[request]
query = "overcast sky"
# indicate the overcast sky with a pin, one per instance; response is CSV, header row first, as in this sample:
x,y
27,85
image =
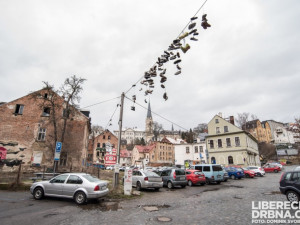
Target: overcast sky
x,y
248,61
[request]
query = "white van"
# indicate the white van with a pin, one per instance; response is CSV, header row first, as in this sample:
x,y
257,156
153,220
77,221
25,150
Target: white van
x,y
213,172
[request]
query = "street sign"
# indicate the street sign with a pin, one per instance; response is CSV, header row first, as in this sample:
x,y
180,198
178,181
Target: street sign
x,y
57,151
128,182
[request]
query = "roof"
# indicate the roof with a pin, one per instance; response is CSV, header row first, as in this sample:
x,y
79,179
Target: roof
x,y
176,141
145,149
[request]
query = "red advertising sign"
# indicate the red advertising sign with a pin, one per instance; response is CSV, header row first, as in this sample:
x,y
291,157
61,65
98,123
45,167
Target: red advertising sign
x,y
110,159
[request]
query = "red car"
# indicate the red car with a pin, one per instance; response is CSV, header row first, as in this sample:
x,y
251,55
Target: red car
x,y
272,168
249,173
195,177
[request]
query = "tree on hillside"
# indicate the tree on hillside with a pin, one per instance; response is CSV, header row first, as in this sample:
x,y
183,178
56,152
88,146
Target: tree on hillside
x,y
243,118
188,136
201,128
54,102
157,128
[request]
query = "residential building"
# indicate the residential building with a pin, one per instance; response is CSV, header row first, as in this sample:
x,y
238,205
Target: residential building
x,y
141,154
281,133
260,130
230,145
125,157
163,153
27,132
130,135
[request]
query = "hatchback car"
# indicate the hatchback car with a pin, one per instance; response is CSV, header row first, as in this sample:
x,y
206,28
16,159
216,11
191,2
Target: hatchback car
x,y
173,177
272,168
235,173
249,173
77,186
195,177
258,170
290,185
146,179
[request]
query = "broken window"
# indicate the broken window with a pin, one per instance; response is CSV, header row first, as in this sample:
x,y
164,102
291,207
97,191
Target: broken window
x,y
19,109
108,137
41,134
103,136
46,111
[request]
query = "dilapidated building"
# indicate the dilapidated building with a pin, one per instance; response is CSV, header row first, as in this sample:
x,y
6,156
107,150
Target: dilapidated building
x,y
28,131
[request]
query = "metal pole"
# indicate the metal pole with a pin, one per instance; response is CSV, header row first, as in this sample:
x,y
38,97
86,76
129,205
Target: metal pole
x,y
116,175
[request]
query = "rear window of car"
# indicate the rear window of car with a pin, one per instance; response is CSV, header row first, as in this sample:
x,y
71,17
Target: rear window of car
x,y
217,168
288,176
198,173
91,178
150,174
179,172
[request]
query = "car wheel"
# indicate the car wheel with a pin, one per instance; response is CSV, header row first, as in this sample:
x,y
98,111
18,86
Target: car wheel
x,y
232,177
170,185
276,171
38,193
183,186
292,196
247,175
207,181
156,189
80,197
138,186
225,180
239,178
202,184
218,182
260,175
190,183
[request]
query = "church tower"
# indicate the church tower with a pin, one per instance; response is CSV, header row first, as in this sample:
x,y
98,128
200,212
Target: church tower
x,y
149,124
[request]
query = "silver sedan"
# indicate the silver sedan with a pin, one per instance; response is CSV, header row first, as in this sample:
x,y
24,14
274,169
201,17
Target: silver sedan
x,y
146,179
77,186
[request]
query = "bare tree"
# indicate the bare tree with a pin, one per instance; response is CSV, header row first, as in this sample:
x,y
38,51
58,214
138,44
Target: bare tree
x,y
56,101
201,128
157,128
243,118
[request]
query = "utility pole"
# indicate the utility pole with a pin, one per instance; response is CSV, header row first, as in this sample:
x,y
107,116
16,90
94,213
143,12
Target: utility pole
x,y
116,174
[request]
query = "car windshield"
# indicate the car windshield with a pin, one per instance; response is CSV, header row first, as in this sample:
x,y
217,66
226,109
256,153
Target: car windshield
x,y
150,174
217,168
91,178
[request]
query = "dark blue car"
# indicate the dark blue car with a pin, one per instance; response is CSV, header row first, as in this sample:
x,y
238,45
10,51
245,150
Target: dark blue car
x,y
235,173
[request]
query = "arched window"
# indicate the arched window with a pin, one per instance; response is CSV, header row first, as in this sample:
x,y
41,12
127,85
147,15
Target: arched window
x,y
213,160
230,159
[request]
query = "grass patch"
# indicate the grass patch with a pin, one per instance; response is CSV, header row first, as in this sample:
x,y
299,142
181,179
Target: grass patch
x,y
15,187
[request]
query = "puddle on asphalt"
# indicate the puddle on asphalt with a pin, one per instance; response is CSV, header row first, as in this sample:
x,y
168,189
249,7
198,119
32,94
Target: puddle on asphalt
x,y
214,189
158,206
236,197
50,214
235,186
102,206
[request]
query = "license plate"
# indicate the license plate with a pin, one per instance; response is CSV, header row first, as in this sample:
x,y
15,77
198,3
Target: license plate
x,y
219,176
182,178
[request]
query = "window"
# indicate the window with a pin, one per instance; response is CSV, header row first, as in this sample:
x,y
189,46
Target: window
x,y
220,143
207,168
187,149
59,179
196,149
98,153
103,145
230,160
201,148
42,134
228,142
213,160
46,111
103,136
74,180
19,109
225,129
237,141
108,137
98,145
218,130
217,120
66,113
211,144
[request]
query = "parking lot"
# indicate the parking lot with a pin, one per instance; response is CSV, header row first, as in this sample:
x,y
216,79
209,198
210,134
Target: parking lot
x,y
226,203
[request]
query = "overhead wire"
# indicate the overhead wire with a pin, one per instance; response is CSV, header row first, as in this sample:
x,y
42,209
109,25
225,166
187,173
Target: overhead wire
x,y
100,102
176,38
157,114
109,122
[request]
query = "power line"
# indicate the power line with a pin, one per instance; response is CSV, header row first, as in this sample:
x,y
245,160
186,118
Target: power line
x,y
109,122
100,102
157,114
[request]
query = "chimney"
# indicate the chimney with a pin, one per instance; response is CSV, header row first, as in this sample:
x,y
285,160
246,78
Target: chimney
x,y
231,119
220,114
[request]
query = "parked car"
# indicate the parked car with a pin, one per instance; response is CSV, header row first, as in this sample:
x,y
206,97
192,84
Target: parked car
x,y
275,164
146,179
290,185
213,172
258,170
235,173
112,167
272,168
225,177
173,177
195,177
77,186
249,173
